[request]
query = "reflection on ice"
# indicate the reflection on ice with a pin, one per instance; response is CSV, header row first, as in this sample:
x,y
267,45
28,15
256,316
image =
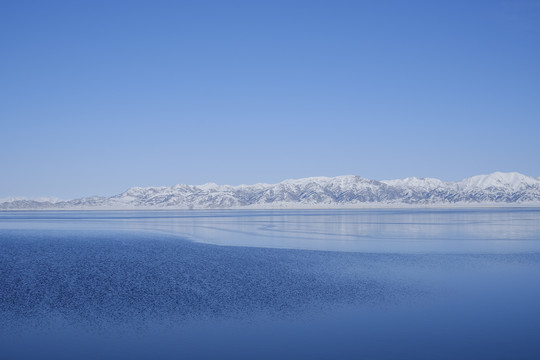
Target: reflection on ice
x,y
403,230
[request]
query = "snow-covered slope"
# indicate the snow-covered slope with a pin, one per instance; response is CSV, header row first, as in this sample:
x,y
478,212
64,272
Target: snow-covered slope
x,y
496,188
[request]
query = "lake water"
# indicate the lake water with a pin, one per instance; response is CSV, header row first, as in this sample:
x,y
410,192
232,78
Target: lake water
x,y
373,284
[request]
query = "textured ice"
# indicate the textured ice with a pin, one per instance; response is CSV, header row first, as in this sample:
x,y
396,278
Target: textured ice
x,y
98,277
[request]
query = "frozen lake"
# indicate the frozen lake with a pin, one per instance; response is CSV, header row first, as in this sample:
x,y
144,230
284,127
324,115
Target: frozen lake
x,y
495,230
376,284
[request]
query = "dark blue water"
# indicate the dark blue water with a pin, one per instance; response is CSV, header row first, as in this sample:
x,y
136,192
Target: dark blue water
x,y
377,284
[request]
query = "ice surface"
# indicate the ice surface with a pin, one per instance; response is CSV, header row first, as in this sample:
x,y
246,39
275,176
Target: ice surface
x,y
118,285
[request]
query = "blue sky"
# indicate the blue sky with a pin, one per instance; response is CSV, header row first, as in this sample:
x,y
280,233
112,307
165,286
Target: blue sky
x,y
96,97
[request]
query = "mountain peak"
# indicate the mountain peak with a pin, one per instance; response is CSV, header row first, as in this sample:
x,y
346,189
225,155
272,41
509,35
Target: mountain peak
x,y
513,180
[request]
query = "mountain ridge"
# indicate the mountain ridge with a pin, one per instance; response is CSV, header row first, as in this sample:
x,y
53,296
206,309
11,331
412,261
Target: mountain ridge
x,y
341,191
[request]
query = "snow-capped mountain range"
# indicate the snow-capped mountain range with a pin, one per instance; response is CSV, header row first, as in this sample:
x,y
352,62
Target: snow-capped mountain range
x,y
314,192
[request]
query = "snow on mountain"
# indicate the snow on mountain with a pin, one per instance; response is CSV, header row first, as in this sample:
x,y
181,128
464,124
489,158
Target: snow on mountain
x,y
416,183
511,180
350,190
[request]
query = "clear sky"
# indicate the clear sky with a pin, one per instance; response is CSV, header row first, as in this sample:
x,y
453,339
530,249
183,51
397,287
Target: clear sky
x,y
99,96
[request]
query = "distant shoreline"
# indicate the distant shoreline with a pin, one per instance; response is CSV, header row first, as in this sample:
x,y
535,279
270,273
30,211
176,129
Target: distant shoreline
x,y
534,205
